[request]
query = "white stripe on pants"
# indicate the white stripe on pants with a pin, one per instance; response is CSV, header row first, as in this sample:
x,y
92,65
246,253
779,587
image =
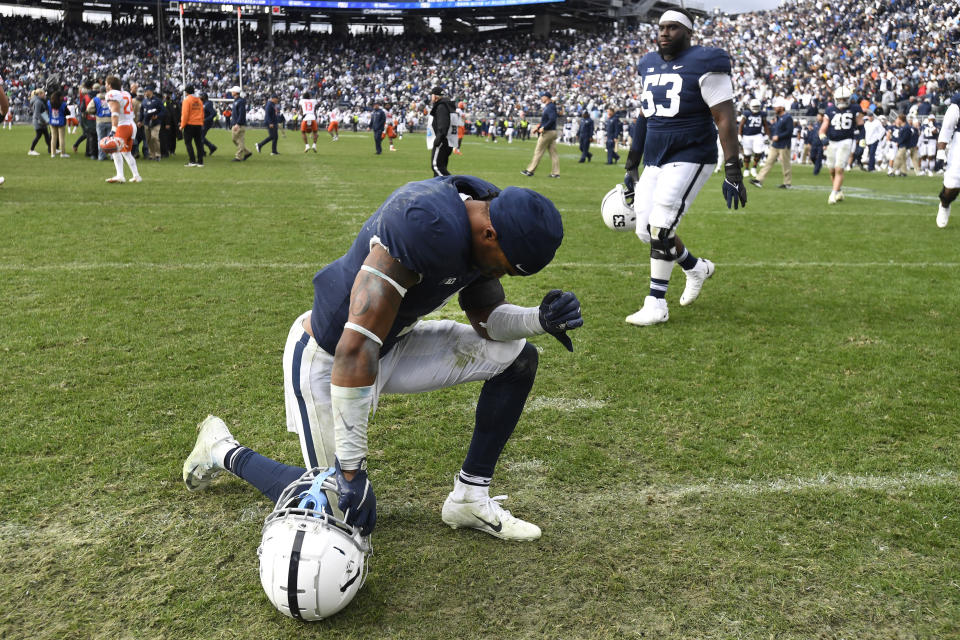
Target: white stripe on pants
x,y
434,355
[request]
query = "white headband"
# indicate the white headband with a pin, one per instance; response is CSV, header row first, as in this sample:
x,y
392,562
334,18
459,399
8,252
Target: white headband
x,y
676,16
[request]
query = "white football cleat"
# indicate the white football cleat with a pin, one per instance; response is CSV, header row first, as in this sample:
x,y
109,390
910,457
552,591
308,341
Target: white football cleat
x,y
136,179
654,311
943,216
116,180
488,516
33,152
700,273
832,198
201,467
839,196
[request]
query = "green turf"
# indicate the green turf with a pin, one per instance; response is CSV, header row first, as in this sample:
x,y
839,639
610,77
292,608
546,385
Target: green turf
x,y
777,461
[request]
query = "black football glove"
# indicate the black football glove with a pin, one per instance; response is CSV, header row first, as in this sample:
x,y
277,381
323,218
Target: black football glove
x,y
559,312
630,182
357,502
733,190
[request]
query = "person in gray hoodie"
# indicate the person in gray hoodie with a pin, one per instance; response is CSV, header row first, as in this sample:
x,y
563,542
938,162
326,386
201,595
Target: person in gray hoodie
x,y
38,107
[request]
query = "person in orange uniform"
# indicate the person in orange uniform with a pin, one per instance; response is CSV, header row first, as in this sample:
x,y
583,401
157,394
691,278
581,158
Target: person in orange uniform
x,y
123,126
191,123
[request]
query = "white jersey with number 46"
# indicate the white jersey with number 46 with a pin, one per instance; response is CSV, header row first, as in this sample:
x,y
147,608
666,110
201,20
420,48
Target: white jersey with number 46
x,y
126,105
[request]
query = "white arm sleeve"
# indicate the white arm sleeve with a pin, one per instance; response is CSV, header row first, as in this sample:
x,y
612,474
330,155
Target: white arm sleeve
x,y
949,126
510,322
351,412
716,88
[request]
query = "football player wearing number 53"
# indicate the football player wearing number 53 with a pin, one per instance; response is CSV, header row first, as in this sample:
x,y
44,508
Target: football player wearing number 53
x,y
686,89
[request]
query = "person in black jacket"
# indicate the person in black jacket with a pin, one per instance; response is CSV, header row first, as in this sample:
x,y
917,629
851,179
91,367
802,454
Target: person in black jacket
x,y
272,120
585,135
613,131
378,120
208,114
445,122
170,131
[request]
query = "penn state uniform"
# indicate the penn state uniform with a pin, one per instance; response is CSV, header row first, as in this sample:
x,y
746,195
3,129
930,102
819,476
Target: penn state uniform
x,y
948,135
752,133
951,176
424,225
681,137
928,139
894,147
841,129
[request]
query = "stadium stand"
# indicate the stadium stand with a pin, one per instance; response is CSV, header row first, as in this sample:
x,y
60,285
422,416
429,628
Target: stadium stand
x,y
893,53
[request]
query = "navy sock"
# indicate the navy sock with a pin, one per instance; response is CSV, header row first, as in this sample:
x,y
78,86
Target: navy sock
x,y
498,411
268,476
687,260
658,287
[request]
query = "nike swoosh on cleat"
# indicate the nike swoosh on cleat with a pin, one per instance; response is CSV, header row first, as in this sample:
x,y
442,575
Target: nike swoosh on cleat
x,y
495,527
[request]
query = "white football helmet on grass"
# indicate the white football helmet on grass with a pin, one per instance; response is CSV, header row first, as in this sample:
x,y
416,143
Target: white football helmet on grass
x,y
617,212
311,563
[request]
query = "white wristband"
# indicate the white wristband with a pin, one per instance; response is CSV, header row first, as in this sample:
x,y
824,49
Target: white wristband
x,y
351,412
941,154
510,322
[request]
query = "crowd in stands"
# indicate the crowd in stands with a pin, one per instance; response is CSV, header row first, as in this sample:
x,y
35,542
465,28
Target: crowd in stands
x,y
892,53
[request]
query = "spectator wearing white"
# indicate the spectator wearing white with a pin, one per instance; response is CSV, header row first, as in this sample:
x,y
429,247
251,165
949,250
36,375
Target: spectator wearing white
x,y
874,132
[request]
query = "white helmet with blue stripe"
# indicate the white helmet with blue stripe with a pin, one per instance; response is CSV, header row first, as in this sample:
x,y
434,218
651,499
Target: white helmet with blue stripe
x,y
312,563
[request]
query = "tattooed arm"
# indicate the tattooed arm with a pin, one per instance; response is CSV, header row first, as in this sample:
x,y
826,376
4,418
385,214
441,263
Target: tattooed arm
x,y
373,305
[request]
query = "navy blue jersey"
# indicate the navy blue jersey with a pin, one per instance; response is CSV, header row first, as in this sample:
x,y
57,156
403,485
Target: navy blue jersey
x,y
783,129
842,122
752,123
928,130
909,137
895,134
424,226
680,126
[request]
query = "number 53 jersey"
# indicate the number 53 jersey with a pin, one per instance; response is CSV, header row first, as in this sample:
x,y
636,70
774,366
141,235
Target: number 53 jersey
x,y
676,100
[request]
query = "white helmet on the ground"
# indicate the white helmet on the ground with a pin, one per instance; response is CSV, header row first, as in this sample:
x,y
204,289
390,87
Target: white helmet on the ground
x,y
755,105
616,211
842,97
311,563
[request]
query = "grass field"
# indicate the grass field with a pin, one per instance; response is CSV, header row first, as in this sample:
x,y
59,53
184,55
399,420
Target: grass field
x,y
780,460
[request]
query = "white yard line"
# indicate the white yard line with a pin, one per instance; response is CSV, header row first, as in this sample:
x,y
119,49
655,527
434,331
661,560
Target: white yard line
x,y
829,482
563,404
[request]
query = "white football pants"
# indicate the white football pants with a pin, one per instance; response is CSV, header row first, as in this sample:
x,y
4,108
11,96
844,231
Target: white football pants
x,y
433,355
663,194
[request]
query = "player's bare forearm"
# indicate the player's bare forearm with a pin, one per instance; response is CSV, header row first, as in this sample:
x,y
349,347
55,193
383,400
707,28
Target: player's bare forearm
x,y
726,119
374,303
